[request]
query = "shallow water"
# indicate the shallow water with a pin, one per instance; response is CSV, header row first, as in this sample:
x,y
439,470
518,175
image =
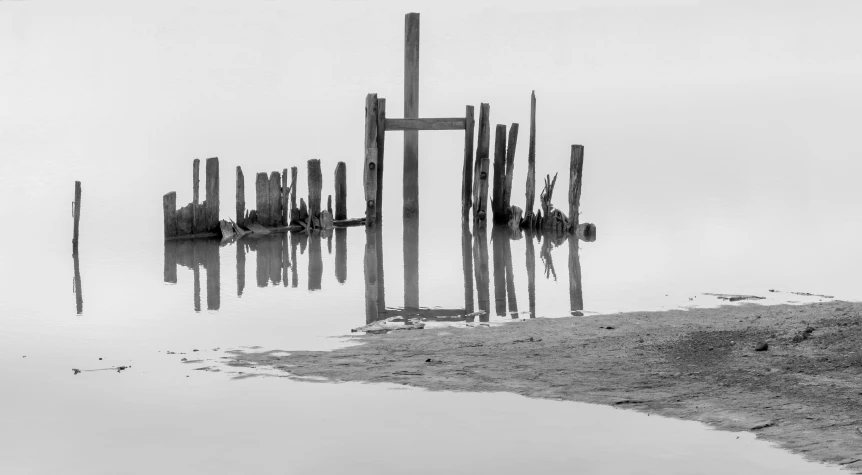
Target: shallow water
x,y
728,166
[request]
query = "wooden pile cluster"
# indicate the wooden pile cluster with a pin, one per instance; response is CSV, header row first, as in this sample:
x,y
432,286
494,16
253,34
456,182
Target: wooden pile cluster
x,y
195,218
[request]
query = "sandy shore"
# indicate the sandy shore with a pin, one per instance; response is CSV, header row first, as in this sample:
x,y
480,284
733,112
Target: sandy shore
x,y
804,392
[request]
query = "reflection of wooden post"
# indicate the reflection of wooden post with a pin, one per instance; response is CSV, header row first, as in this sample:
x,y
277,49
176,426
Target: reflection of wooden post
x,y
576,293
480,266
262,264
240,268
467,179
411,262
411,111
213,267
294,270
371,153
497,238
240,197
341,191
196,270
576,170
170,262
531,274
467,263
510,276
169,205
531,163
285,259
76,214
262,199
499,174
275,261
372,308
341,255
510,169
79,297
480,170
315,188
315,262
381,136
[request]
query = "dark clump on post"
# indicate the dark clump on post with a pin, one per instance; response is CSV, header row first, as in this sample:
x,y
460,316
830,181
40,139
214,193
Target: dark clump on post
x,y
531,166
76,214
315,188
480,170
262,199
370,164
576,170
499,174
467,179
341,191
240,197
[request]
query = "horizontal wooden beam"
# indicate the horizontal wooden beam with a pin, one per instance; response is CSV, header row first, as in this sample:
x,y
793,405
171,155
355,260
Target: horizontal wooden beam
x,y
451,123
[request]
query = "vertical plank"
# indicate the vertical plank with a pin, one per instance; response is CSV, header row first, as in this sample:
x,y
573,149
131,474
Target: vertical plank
x,y
76,213
285,203
275,261
196,182
411,111
531,274
274,198
480,171
262,199
498,235
371,155
293,172
341,255
315,187
240,267
467,172
510,275
240,197
411,262
576,170
531,162
381,141
212,201
499,214
341,191
467,264
480,266
576,292
169,206
510,169
79,296
329,204
372,308
315,261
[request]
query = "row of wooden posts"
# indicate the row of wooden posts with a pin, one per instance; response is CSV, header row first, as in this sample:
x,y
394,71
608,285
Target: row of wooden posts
x,y
275,200
475,173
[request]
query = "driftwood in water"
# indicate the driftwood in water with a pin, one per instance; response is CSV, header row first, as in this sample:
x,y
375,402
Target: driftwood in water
x,y
411,111
576,171
76,215
499,213
341,191
531,165
326,222
467,172
481,167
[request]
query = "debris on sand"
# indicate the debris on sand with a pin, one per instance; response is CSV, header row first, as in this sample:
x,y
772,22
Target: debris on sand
x,y
388,325
735,297
761,346
763,425
76,370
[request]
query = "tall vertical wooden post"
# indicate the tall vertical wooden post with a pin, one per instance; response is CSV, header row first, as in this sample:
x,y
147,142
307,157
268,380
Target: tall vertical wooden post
x,y
467,264
341,191
480,266
76,214
262,198
169,206
212,202
285,203
315,188
576,170
467,180
372,308
480,170
499,214
370,167
381,136
531,163
510,168
274,198
498,235
79,297
196,182
411,262
240,197
293,172
576,293
531,274
411,111
510,276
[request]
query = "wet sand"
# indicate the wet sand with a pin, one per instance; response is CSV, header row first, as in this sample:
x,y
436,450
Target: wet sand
x,y
804,392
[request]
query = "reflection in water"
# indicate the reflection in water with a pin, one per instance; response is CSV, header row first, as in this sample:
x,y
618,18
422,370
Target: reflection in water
x,y
194,254
341,255
531,274
315,261
576,294
79,298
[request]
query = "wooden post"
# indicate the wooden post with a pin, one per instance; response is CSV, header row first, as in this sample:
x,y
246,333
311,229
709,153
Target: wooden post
x,y
576,170
531,163
497,237
467,180
510,275
510,169
480,171
293,173
79,297
531,274
285,203
171,262
285,254
411,111
196,181
371,154
381,136
467,264
240,197
169,205
196,284
576,292
262,201
274,198
499,174
411,262
480,266
341,191
212,202
372,308
315,188
341,255
76,214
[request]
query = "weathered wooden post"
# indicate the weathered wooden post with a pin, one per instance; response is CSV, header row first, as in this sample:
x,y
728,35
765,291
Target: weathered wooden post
x,y
196,181
76,215
79,297
285,199
285,254
510,277
467,264
576,292
341,191
315,188
576,170
372,308
274,198
370,167
240,197
411,111
480,171
294,270
531,274
499,259
381,136
531,166
510,168
262,199
499,214
212,202
294,210
480,266
169,206
467,180
170,262
411,262
212,264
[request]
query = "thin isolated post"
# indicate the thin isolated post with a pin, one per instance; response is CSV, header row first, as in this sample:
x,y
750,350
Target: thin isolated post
x,y
531,163
467,180
381,136
370,165
411,111
510,168
499,174
76,215
576,171
341,191
240,197
480,171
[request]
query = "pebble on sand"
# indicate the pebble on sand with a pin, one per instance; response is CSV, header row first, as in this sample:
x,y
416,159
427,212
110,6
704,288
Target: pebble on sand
x,y
761,346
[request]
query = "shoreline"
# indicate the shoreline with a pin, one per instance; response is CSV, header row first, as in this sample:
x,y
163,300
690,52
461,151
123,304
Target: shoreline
x,y
804,392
